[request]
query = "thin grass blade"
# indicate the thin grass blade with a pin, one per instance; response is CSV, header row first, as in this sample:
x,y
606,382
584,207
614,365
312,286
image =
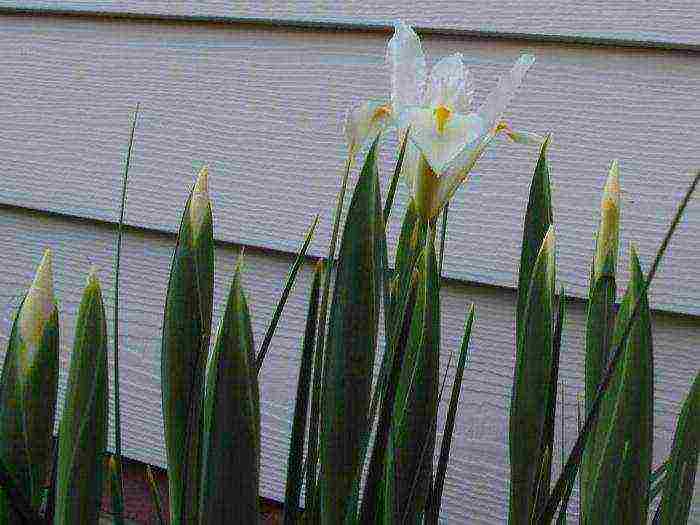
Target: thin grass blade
x,y
117,482
155,495
288,285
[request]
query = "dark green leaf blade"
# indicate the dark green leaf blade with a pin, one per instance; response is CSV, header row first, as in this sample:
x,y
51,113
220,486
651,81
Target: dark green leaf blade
x,y
531,384
83,430
631,422
538,218
295,461
231,441
351,346
683,462
411,443
185,343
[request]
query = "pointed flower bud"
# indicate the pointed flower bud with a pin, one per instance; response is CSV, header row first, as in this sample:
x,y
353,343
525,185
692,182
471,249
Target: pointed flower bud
x,y
199,206
609,232
38,305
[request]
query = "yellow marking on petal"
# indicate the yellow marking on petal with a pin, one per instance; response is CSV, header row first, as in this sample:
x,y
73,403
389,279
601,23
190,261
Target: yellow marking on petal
x,y
442,115
502,127
381,112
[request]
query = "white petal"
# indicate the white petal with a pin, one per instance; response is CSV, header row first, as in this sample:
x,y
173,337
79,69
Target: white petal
x,y
365,122
459,169
440,148
407,64
499,99
450,85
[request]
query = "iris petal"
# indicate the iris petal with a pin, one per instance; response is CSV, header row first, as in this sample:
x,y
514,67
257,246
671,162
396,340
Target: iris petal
x,y
440,148
408,70
508,85
450,85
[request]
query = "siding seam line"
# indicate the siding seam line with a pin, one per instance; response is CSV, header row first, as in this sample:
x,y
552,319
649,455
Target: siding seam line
x,y
275,252
335,25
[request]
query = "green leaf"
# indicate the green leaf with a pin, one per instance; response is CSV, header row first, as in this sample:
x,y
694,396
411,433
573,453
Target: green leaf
x,y
683,462
288,285
538,218
231,429
528,408
630,406
83,430
412,437
186,333
599,332
436,494
295,460
352,338
542,487
315,416
573,461
28,391
372,497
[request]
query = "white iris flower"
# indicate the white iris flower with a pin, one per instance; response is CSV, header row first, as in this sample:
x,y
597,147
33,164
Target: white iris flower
x,y
447,135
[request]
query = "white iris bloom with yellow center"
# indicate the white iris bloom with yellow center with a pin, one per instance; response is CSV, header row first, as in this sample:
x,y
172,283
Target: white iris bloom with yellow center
x,y
446,134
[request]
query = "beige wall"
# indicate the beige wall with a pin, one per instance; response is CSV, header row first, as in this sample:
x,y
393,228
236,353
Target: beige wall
x,y
263,105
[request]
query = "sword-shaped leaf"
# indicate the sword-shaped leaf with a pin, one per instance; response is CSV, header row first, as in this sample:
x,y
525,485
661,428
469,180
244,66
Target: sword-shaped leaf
x,y
186,333
409,456
28,392
600,319
295,460
436,493
683,462
351,345
231,426
528,407
83,430
631,420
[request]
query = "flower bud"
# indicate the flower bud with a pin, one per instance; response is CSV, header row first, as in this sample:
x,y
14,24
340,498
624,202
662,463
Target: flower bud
x,y
38,305
609,232
199,205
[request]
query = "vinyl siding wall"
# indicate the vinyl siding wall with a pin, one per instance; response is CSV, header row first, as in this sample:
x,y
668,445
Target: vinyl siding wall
x,y
258,92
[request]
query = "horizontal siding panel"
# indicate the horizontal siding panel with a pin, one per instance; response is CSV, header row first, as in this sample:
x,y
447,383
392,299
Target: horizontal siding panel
x,y
476,487
628,21
263,107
